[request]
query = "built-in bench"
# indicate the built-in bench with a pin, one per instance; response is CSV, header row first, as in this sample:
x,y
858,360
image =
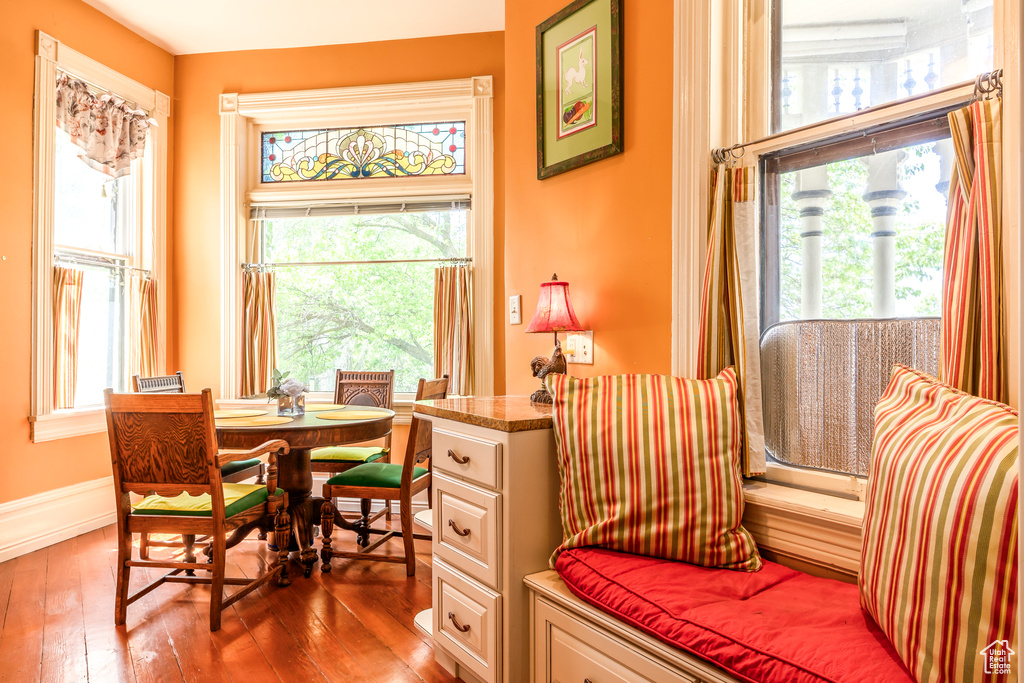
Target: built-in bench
x,y
625,617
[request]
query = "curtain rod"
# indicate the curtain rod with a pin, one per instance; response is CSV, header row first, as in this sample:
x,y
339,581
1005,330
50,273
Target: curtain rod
x,y
986,84
292,264
78,261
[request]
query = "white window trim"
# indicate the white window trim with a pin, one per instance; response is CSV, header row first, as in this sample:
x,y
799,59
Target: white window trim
x,y
46,423
243,115
722,97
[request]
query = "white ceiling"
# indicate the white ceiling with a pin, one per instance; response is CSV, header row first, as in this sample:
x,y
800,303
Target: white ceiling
x,y
190,26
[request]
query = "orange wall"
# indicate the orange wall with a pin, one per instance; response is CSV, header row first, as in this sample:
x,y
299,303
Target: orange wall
x,y
201,78
606,227
27,468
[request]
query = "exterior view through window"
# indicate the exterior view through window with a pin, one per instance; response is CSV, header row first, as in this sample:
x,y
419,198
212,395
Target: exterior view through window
x,y
853,225
363,296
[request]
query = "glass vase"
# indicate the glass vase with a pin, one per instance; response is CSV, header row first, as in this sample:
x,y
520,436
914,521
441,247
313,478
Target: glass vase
x,y
291,406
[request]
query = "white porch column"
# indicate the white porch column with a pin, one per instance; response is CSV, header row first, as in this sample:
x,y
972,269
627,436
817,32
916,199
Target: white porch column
x,y
884,195
811,196
947,157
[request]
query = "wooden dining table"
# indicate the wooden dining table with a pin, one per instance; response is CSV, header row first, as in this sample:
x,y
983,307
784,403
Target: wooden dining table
x,y
303,433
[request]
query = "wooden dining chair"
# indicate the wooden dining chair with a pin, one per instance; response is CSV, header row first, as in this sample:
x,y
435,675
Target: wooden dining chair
x,y
374,389
164,447
387,481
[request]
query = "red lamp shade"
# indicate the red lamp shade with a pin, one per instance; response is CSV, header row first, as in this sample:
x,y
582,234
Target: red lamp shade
x,y
554,310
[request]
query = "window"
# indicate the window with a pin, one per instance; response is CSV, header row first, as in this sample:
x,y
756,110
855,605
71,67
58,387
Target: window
x,y
356,291
356,194
103,226
854,215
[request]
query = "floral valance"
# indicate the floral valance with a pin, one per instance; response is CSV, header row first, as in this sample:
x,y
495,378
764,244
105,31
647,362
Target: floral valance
x,y
109,131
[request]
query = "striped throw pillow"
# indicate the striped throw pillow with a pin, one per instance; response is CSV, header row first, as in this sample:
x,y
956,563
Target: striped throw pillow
x,y
649,465
939,550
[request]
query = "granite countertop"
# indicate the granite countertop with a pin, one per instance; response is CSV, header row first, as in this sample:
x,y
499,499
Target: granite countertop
x,y
504,413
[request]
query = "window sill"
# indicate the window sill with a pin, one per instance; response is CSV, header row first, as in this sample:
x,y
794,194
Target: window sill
x,y
66,424
814,532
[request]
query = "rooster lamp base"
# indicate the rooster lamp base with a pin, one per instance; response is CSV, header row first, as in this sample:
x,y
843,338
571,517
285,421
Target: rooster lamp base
x,y
542,367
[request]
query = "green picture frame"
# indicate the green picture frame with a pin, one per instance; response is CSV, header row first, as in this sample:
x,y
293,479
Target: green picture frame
x,y
579,86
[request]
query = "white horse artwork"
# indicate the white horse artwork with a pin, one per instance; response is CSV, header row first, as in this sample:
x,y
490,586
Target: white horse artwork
x,y
577,74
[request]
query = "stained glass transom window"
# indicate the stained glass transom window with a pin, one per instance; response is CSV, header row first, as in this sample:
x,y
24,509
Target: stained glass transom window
x,y
366,152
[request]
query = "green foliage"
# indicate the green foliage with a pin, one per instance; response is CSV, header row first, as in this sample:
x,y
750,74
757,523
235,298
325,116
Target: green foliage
x,y
847,250
359,317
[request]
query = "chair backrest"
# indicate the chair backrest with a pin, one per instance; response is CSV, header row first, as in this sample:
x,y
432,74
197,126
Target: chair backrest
x,y
166,384
163,443
364,388
422,437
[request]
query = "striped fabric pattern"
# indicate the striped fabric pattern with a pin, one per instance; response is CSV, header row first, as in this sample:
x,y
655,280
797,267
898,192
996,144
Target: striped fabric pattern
x,y
453,327
259,331
67,307
728,305
972,344
939,549
143,325
649,465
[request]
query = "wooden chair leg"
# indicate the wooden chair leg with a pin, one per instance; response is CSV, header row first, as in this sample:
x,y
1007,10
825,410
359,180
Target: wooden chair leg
x,y
282,538
408,537
190,541
217,582
260,479
364,522
124,554
326,529
144,546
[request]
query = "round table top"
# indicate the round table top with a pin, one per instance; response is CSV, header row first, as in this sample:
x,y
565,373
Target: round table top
x,y
308,431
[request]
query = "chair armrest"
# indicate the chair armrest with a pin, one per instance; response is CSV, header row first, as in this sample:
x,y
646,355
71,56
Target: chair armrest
x,y
271,447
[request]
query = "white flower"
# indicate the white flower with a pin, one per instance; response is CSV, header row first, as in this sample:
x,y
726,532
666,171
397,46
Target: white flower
x,y
292,387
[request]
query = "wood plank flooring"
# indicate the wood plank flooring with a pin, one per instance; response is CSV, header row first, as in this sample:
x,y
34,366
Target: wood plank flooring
x,y
353,624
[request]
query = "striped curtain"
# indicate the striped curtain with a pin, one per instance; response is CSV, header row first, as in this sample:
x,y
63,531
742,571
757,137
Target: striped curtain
x,y
729,296
67,306
142,312
259,332
453,327
973,340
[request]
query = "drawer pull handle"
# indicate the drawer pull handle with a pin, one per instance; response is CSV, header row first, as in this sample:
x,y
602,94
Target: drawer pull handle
x,y
461,459
459,627
456,529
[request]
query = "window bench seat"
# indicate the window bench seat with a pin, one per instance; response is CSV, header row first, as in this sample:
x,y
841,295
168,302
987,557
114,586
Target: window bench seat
x,y
625,617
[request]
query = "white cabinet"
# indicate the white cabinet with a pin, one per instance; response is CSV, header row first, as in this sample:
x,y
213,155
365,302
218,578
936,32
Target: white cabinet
x,y
495,520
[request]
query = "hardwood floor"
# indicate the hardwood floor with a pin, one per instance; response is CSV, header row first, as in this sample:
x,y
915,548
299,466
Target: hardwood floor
x,y
354,624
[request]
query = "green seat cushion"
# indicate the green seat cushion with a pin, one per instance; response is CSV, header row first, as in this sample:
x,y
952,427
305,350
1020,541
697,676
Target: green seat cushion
x,y
237,498
348,454
238,465
374,474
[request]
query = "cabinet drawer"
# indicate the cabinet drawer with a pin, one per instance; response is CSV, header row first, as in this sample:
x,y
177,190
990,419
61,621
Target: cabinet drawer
x,y
467,457
466,528
467,621
569,651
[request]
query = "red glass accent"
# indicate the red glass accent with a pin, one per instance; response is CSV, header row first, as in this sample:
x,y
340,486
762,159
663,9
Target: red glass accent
x,y
437,131
453,130
452,148
271,140
554,310
287,138
271,157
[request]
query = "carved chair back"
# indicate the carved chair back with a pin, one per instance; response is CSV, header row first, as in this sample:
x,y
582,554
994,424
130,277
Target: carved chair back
x,y
364,388
428,389
166,384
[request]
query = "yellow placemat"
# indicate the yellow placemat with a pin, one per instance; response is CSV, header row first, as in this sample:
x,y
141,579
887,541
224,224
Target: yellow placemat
x,y
319,407
262,421
352,415
228,414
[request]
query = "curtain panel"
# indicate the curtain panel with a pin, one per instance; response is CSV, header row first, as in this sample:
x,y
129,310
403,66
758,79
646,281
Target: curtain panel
x,y
142,345
729,301
973,337
110,133
67,307
453,327
259,331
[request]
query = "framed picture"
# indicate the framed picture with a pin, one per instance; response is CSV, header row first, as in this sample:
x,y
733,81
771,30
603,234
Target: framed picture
x,y
579,86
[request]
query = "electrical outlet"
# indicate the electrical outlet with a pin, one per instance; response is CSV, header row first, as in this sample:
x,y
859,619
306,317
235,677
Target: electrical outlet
x,y
515,308
579,347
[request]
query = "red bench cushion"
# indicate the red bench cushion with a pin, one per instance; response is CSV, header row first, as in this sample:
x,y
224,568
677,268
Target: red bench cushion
x,y
775,625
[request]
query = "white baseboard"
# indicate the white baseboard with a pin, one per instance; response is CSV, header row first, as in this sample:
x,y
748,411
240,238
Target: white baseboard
x,y
28,524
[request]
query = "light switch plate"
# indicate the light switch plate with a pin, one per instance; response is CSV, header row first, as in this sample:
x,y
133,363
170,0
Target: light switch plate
x,y
515,309
579,347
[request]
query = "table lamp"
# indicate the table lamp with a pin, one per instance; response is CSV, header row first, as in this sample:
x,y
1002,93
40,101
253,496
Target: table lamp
x,y
554,314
